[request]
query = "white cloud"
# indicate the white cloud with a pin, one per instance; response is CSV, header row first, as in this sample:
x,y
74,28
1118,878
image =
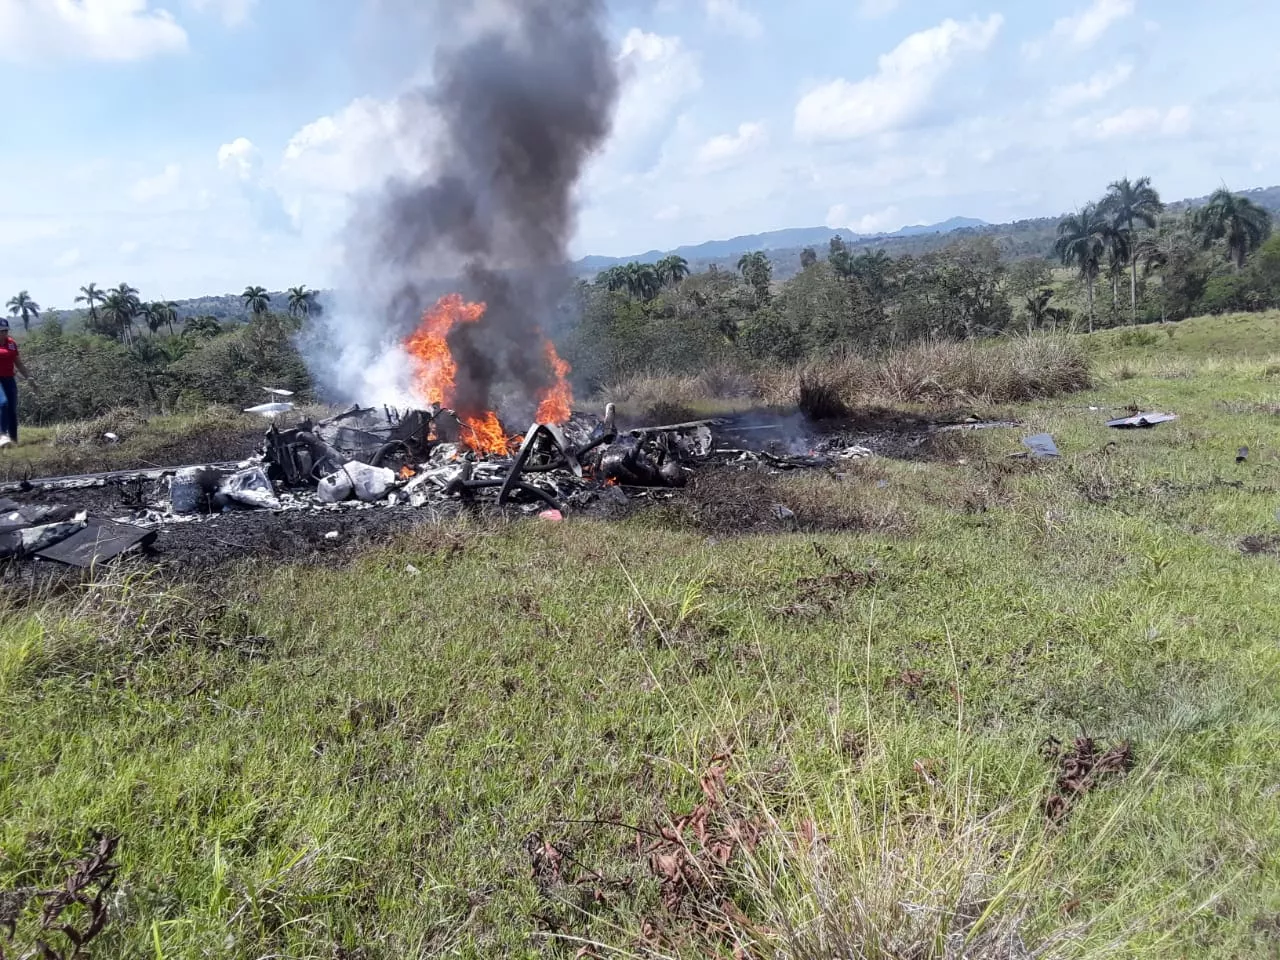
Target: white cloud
x,y
875,9
658,75
669,213
723,150
729,15
882,221
240,158
233,12
1138,122
161,185
1090,24
118,30
898,91
1089,91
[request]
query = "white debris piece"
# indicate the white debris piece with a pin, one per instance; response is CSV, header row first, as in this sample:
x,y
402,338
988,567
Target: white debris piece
x,y
277,392
270,409
331,535
334,488
250,488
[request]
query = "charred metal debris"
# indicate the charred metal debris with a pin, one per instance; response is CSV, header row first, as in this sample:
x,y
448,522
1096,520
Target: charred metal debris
x,y
370,458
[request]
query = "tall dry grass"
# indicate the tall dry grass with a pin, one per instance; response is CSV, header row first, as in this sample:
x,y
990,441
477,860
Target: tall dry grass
x,y
1012,370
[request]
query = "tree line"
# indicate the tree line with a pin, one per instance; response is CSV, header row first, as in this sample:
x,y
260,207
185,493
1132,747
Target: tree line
x,y
1160,266
1125,229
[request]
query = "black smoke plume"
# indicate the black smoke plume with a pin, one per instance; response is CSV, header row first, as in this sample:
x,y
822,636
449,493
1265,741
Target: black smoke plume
x,y
521,104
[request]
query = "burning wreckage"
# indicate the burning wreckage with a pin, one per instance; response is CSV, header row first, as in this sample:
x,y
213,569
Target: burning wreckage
x,y
428,456
365,458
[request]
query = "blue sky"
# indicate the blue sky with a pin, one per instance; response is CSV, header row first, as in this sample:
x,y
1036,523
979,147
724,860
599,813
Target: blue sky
x,y
195,146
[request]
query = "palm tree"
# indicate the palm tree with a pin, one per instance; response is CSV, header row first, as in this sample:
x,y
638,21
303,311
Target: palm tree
x,y
23,306
1239,221
169,312
1130,204
202,327
613,279
1081,239
153,316
91,295
124,310
672,269
117,314
1116,244
257,300
643,280
1040,313
301,301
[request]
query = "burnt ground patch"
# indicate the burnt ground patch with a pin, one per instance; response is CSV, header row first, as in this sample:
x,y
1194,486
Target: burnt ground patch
x,y
729,500
1260,545
209,445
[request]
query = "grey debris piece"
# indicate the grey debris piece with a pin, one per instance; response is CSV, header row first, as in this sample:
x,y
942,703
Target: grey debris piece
x,y
1041,445
1141,421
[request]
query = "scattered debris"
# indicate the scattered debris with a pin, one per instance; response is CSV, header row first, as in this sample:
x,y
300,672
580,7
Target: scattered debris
x,y
332,535
1141,421
1242,455
1080,769
97,542
554,516
277,392
1041,445
249,488
270,409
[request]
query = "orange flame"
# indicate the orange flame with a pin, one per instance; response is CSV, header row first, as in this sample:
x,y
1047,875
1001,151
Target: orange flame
x,y
485,434
555,405
436,373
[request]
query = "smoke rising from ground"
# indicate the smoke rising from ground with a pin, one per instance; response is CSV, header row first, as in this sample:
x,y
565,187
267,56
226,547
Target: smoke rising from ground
x,y
518,105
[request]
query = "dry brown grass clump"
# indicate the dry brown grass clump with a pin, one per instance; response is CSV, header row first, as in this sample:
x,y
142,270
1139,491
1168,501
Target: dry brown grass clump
x,y
669,397
1007,371
948,373
123,422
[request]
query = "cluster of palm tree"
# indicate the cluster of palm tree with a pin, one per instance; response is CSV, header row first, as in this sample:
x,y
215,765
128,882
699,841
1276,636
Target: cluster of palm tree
x,y
645,281
114,312
1107,235
23,307
302,302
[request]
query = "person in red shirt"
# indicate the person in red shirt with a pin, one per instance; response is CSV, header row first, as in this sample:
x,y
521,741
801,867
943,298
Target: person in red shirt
x,y
9,362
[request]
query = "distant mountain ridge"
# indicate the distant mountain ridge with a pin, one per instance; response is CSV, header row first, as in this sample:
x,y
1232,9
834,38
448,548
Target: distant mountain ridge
x,y
788,239
1019,239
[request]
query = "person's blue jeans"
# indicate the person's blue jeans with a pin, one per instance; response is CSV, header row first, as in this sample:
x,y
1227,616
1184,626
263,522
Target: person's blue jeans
x,y
9,412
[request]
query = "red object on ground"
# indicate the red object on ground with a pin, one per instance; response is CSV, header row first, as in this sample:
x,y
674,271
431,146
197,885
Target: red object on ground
x,y
555,516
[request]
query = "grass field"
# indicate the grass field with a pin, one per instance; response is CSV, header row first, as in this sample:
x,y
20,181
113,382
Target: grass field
x,y
466,743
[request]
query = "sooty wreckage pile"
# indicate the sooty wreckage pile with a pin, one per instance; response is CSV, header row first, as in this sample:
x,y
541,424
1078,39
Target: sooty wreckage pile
x,y
367,459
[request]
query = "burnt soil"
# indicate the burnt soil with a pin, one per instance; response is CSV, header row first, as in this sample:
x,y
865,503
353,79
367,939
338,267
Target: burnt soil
x,y
719,500
209,446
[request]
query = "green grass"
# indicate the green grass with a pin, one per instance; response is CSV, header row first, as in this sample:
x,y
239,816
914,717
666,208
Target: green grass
x,y
313,762
1232,336
158,441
